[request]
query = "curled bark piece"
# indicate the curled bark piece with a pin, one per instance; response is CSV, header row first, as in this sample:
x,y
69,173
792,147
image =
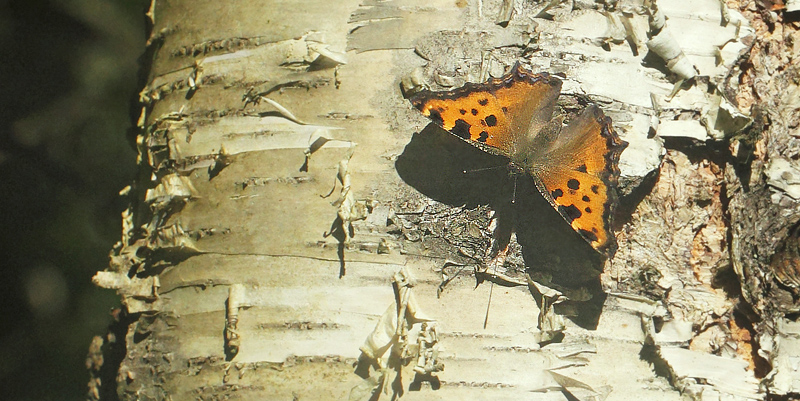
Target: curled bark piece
x,y
391,333
413,82
232,335
195,76
780,344
697,373
665,46
350,210
506,10
326,58
784,174
723,119
616,32
544,12
172,187
283,110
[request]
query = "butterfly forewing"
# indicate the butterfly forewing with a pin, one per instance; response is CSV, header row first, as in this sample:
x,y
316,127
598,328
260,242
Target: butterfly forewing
x,y
474,116
496,113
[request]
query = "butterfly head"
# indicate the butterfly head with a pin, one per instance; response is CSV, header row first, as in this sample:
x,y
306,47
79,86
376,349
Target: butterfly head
x,y
515,169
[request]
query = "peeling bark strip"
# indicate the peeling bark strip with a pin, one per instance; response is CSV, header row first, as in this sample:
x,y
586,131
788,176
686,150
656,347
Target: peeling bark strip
x,y
231,290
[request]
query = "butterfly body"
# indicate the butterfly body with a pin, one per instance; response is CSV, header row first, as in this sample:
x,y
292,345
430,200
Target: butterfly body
x,y
574,166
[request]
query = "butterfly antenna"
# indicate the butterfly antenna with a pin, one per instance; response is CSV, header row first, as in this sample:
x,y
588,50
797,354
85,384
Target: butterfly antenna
x,y
481,169
514,194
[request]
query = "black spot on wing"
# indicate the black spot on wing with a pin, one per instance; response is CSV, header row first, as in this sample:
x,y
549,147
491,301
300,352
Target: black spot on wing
x,y
595,189
570,212
588,209
588,234
483,137
462,111
436,117
483,102
461,129
491,120
586,198
582,168
505,109
557,193
573,184
474,112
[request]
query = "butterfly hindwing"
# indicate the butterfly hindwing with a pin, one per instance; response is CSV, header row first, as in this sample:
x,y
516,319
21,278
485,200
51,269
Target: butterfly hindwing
x,y
583,189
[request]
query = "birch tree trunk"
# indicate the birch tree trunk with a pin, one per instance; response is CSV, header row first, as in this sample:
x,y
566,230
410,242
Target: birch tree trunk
x,y
298,231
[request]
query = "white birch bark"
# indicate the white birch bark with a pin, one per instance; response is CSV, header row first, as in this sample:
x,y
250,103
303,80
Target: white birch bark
x,y
241,280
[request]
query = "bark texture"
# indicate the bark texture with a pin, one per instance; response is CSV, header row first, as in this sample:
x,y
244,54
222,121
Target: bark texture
x,y
297,231
761,185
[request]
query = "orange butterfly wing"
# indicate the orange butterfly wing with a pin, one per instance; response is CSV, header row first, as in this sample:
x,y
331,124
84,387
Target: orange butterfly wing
x,y
575,167
496,113
578,173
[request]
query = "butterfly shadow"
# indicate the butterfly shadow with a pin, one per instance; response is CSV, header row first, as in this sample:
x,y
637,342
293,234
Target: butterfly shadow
x,y
451,171
557,256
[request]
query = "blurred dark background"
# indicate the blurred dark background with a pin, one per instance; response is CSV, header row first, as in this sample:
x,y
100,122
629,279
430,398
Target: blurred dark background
x,y
68,74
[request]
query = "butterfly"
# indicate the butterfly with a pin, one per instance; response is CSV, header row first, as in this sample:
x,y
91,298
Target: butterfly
x,y
574,166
